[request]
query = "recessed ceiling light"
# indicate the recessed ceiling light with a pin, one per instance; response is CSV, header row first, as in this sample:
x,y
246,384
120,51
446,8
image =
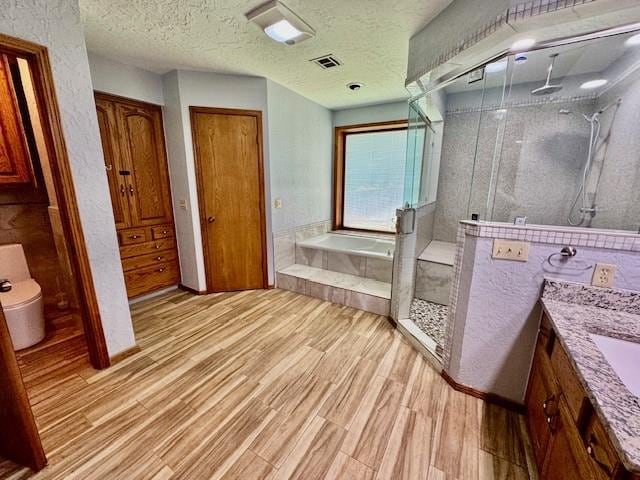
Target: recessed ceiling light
x,y
633,41
354,86
280,23
496,67
591,84
523,44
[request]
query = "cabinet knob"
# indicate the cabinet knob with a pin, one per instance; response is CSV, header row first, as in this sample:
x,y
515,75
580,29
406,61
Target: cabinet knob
x,y
211,219
122,190
131,190
158,258
157,246
164,232
161,270
133,237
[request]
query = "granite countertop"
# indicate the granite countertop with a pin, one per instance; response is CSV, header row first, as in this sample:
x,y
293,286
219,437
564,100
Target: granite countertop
x,y
577,310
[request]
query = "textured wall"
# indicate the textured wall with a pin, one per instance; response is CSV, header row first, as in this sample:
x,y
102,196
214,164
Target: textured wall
x,y
128,81
382,112
300,158
493,343
56,24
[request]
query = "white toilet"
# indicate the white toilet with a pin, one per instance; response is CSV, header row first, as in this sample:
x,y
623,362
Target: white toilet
x,y
23,306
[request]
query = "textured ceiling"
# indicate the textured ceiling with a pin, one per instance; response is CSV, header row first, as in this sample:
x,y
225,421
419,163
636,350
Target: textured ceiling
x,y
370,37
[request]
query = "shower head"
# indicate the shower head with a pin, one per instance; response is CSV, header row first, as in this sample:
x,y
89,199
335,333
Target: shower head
x,y
548,88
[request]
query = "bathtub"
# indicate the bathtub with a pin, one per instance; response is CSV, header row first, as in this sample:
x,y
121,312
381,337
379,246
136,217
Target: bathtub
x,y
352,245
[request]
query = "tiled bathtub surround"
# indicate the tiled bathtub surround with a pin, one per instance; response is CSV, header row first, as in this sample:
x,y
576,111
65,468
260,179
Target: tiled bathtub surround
x,y
360,266
362,293
493,303
284,243
576,311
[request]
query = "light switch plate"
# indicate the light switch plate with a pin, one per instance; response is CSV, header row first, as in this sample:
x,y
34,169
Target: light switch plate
x,y
510,250
277,203
603,275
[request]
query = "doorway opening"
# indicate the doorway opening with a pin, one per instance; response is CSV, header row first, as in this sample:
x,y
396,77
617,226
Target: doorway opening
x,y
48,309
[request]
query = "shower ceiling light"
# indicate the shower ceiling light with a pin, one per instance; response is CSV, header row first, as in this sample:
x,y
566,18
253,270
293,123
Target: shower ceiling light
x,y
591,84
523,44
633,41
496,67
280,23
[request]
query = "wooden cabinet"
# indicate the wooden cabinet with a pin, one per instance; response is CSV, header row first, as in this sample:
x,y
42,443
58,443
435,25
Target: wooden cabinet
x,y
568,438
15,162
134,150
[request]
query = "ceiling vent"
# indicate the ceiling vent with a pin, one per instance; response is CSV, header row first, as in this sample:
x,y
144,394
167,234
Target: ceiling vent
x,y
326,61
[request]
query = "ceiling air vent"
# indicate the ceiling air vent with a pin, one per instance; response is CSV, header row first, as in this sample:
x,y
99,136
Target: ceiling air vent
x,y
326,61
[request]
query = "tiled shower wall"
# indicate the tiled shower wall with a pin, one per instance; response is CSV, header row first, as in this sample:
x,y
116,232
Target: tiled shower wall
x,y
540,158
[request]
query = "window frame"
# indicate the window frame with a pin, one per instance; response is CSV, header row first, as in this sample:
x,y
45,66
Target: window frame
x,y
340,137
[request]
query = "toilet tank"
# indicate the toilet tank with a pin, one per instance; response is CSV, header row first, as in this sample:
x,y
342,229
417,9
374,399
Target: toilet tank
x,y
13,263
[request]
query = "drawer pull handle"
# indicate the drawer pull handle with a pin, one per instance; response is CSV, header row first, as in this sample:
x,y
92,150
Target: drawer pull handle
x,y
157,246
551,422
133,237
158,258
164,232
591,451
547,402
160,270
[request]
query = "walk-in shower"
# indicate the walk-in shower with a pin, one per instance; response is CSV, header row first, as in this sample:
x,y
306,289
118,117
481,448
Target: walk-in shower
x,y
549,137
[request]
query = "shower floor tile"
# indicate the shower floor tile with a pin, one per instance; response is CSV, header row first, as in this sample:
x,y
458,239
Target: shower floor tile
x,y
431,318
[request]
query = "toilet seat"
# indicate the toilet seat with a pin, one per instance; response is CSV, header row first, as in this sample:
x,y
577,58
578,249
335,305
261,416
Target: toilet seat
x,y
21,294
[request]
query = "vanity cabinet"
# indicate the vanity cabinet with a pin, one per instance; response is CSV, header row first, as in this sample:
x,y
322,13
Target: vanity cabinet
x,y
138,178
568,439
15,162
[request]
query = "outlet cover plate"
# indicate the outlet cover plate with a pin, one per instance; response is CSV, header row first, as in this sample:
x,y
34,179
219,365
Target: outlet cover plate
x,y
510,250
603,275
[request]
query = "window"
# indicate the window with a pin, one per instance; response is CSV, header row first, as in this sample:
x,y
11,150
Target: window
x,y
370,175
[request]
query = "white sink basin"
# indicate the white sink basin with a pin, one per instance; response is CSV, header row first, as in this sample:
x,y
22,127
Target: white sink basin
x,y
624,358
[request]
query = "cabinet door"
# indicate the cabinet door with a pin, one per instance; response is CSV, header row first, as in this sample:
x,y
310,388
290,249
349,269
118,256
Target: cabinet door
x,y
113,162
542,404
15,163
566,458
142,142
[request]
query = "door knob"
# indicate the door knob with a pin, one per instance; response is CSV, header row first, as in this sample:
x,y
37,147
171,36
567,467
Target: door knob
x,y
5,286
211,219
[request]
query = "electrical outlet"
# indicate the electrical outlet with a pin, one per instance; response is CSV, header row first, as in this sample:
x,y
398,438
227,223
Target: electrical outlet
x,y
277,203
603,275
183,204
510,250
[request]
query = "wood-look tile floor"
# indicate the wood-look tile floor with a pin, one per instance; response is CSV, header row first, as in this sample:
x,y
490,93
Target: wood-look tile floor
x,y
266,384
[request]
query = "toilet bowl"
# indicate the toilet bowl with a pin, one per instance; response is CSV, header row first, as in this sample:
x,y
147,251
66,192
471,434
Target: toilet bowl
x,y
23,306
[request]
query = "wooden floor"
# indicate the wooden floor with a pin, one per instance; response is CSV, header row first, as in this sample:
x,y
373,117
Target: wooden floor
x,y
265,384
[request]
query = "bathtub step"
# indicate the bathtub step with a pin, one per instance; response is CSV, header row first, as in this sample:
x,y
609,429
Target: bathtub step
x,y
434,272
341,288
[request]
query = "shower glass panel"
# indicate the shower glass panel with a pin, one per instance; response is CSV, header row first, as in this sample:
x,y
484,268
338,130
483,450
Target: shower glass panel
x,y
567,137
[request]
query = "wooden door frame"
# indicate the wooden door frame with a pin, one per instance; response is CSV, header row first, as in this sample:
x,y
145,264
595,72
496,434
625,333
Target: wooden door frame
x,y
193,111
43,83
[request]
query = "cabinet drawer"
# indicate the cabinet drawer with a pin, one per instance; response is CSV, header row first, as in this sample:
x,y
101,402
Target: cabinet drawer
x,y
599,449
132,236
148,279
162,256
161,231
571,387
145,248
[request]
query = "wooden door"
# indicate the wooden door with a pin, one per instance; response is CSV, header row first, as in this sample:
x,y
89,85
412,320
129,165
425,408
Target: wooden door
x,y
113,161
228,152
15,163
143,152
19,440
